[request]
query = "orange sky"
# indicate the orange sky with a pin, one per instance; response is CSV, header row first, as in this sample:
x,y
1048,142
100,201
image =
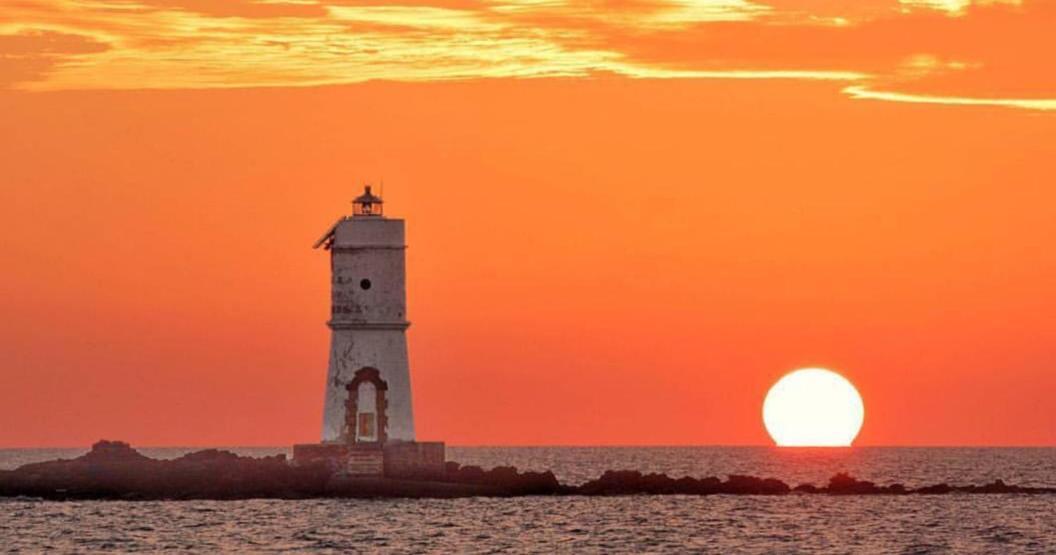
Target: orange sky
x,y
623,225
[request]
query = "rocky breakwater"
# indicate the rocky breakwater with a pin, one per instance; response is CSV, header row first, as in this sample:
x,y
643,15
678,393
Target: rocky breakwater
x,y
114,470
631,482
636,483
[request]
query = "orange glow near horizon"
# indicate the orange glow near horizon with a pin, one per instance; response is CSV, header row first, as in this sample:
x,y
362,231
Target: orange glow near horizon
x,y
624,221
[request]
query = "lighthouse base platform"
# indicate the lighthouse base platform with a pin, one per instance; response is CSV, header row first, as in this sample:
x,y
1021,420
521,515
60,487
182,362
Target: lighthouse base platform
x,y
413,460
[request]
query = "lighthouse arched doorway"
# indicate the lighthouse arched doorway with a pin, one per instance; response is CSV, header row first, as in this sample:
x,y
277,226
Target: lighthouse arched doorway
x,y
365,410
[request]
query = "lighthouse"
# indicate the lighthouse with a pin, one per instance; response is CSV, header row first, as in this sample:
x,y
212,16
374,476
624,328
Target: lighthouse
x,y
368,424
367,398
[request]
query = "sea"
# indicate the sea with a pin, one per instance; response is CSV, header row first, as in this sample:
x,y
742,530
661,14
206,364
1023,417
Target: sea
x,y
956,523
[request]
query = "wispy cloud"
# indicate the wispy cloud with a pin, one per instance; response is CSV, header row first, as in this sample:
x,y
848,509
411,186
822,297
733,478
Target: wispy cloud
x,y
863,92
958,52
953,6
29,55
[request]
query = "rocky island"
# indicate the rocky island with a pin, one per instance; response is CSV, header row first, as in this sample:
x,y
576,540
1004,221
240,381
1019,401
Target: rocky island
x,y
114,470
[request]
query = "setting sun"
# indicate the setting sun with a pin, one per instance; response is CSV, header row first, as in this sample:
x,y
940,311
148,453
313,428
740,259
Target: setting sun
x,y
813,407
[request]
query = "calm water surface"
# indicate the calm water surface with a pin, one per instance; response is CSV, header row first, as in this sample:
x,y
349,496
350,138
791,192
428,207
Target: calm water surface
x,y
715,524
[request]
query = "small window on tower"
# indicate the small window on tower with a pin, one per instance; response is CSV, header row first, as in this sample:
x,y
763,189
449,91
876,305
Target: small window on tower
x,y
364,283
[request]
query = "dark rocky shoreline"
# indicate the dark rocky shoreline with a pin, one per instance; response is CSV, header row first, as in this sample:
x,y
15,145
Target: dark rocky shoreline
x,y
113,470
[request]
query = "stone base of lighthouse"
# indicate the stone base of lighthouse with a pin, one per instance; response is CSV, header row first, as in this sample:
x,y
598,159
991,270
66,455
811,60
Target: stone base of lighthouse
x,y
408,460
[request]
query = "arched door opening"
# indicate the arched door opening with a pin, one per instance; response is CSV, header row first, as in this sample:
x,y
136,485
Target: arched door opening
x,y
365,410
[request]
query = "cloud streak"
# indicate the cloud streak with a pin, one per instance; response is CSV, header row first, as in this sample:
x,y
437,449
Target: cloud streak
x,y
862,92
955,52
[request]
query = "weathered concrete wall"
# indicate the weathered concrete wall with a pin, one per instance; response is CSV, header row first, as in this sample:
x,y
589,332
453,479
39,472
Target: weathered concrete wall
x,y
365,462
371,231
333,454
409,459
385,350
368,272
368,320
421,460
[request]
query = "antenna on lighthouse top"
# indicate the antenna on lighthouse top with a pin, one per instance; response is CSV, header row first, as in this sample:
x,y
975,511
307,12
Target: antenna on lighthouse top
x,y
367,204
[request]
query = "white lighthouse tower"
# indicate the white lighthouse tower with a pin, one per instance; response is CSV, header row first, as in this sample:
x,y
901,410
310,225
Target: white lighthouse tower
x,y
368,389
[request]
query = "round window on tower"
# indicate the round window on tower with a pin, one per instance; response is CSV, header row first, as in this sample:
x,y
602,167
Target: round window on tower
x,y
364,284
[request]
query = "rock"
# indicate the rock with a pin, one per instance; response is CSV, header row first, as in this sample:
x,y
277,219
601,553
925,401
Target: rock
x,y
210,456
896,489
506,480
614,482
467,475
500,475
112,451
938,489
845,484
750,485
114,470
806,488
630,482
